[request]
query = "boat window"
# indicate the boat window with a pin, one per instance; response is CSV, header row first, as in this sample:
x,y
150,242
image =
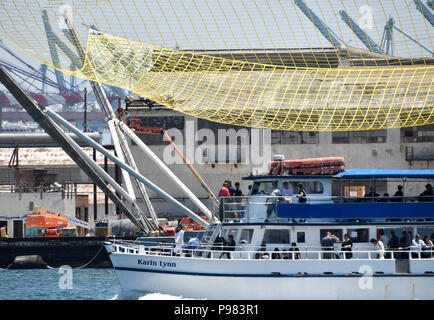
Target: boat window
x,y
246,235
311,187
337,232
301,237
276,236
223,233
359,235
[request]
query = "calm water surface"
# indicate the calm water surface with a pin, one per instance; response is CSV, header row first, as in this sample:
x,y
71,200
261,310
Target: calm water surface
x,y
66,284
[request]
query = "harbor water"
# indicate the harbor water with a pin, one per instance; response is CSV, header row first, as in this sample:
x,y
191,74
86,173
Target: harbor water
x,y
67,284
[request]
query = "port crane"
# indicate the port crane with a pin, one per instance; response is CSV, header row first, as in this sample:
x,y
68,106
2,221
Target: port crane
x,y
319,24
426,13
387,39
386,46
362,35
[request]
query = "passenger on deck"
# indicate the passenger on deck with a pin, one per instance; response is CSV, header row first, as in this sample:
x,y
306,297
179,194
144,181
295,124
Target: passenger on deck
x,y
224,191
383,237
417,245
237,194
224,198
302,195
399,195
286,192
347,246
428,194
405,241
393,243
372,193
272,200
230,246
379,247
327,244
294,252
230,188
429,246
385,198
275,254
179,240
262,254
219,243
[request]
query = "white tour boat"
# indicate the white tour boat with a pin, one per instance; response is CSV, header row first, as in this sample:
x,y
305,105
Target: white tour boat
x,y
261,264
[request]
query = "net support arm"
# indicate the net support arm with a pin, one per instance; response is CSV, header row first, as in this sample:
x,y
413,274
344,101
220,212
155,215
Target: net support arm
x,y
165,169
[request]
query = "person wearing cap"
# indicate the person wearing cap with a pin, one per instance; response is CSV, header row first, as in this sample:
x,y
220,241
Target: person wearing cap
x,y
427,195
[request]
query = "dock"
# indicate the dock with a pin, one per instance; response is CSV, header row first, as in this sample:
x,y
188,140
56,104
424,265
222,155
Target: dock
x,y
72,251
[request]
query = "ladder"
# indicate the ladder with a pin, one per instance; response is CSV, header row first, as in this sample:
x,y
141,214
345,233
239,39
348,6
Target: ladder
x,y
209,237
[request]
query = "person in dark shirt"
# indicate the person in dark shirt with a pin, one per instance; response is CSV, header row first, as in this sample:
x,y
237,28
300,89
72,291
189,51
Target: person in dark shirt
x,y
372,194
405,241
230,246
428,194
237,196
399,195
237,191
302,195
347,246
275,254
394,241
219,243
327,244
294,252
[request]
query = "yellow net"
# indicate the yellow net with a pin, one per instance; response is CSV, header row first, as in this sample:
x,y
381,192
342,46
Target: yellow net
x,y
288,65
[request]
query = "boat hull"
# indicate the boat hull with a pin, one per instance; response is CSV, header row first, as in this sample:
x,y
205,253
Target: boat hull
x,y
228,280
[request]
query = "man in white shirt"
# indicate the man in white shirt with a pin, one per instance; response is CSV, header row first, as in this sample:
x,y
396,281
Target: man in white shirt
x,y
379,246
416,246
179,240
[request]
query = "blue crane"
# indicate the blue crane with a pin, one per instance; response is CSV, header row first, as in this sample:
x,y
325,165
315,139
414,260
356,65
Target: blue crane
x,y
425,11
53,43
362,35
319,24
387,39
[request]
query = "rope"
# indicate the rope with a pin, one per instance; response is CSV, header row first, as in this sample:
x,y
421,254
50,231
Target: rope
x,y
86,264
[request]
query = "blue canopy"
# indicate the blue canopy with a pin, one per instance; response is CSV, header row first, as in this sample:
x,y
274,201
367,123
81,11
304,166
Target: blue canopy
x,y
385,173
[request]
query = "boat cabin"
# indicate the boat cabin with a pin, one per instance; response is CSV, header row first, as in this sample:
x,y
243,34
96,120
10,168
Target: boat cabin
x,y
339,204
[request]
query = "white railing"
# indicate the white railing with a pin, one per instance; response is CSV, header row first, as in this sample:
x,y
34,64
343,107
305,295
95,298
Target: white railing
x,y
254,253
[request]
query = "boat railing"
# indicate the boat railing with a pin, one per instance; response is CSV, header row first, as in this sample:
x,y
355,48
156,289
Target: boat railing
x,y
251,252
252,208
